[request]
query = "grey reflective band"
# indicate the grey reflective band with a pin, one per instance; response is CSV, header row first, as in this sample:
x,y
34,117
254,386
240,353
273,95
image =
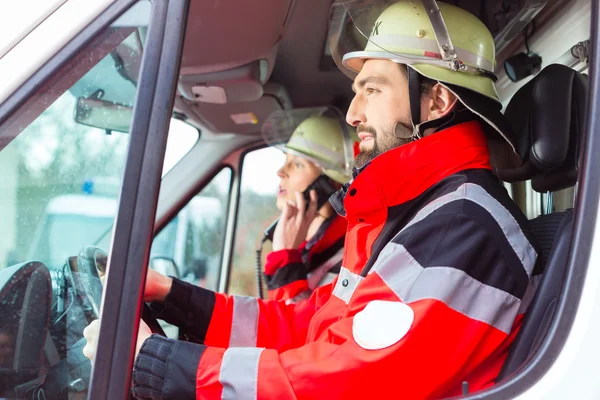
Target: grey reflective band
x,y
320,163
346,285
386,42
239,373
244,326
454,65
510,227
440,30
298,143
453,287
341,162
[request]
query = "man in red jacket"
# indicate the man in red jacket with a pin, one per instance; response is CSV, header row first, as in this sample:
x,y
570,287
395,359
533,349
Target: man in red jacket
x,y
437,257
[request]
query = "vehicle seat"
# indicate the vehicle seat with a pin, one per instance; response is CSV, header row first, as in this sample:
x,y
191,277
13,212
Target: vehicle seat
x,y
547,115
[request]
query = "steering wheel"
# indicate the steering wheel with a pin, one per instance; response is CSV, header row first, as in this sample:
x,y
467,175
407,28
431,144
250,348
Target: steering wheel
x,y
87,268
83,273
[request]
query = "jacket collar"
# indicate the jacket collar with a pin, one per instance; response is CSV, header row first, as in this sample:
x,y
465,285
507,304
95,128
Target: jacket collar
x,y
328,234
405,172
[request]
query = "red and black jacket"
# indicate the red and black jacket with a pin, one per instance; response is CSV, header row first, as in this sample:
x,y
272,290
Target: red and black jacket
x,y
292,275
435,280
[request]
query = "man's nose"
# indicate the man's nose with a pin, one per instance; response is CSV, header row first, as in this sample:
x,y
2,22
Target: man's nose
x,y
355,115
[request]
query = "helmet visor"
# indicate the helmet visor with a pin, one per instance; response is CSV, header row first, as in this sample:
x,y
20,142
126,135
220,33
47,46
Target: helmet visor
x,y
319,134
404,32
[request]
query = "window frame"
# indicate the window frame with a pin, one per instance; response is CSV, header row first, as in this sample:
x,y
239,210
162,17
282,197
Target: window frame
x,y
130,248
586,210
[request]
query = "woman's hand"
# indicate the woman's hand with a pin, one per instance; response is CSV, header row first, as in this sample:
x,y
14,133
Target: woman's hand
x,y
91,332
294,222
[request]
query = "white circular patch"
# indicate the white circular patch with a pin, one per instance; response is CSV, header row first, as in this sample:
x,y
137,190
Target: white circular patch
x,y
382,324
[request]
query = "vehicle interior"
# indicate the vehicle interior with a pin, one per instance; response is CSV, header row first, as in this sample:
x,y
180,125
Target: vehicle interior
x,y
240,63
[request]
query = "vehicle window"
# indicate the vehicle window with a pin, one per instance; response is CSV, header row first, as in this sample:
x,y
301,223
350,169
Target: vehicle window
x,y
194,237
259,187
62,157
182,137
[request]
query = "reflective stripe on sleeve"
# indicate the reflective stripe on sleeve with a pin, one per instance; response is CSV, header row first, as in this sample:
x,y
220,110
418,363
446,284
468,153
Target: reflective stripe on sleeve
x,y
239,373
244,327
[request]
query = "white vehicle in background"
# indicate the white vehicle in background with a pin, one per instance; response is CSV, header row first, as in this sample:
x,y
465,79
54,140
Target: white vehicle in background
x,y
80,219
75,219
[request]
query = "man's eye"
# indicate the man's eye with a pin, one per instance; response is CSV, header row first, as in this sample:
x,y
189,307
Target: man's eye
x,y
370,90
298,165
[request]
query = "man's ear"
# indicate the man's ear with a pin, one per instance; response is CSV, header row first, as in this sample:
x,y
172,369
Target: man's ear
x,y
438,103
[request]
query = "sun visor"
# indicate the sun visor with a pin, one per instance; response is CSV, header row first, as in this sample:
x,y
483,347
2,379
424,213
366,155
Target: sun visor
x,y
230,49
241,84
241,117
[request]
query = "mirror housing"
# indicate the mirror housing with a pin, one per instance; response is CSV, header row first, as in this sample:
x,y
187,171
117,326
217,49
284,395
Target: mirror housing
x,y
98,113
165,266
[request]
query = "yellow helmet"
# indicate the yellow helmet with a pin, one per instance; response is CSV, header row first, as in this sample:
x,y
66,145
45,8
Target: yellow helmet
x,y
440,41
320,135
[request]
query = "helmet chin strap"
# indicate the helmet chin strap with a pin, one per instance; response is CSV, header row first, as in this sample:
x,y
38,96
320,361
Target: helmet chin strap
x,y
402,132
414,99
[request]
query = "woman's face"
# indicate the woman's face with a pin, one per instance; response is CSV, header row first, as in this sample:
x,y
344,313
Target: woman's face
x,y
296,174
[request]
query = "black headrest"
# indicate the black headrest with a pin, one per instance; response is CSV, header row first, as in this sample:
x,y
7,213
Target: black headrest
x,y
547,116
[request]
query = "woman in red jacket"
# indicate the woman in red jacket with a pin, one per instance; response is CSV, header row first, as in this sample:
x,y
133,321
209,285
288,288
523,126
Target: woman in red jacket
x,y
320,146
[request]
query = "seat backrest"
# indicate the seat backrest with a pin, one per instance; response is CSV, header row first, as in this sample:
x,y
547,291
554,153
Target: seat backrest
x,y
553,233
547,116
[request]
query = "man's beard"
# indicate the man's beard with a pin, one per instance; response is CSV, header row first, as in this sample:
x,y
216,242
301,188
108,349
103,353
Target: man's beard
x,y
381,143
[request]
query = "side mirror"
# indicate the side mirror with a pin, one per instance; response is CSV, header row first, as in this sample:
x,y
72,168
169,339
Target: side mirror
x,y
165,266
